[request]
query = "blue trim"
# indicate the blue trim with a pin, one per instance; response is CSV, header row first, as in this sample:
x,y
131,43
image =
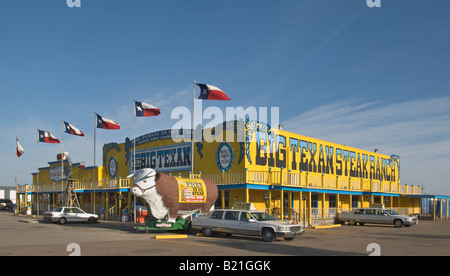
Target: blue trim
x,y
312,190
86,191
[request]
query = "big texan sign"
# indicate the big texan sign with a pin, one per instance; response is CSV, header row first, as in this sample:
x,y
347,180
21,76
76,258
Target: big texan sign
x,y
281,149
167,158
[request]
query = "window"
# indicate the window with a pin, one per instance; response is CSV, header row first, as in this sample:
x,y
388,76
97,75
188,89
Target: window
x,y
371,212
355,201
359,212
262,216
231,215
217,215
76,211
381,213
245,217
315,205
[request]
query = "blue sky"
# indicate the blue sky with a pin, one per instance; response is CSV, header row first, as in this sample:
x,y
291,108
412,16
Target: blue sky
x,y
337,69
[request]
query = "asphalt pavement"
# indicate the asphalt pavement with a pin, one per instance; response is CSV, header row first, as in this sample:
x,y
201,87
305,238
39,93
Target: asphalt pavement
x,y
28,236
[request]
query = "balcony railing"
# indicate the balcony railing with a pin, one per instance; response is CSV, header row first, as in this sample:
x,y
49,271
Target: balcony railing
x,y
275,178
60,187
311,180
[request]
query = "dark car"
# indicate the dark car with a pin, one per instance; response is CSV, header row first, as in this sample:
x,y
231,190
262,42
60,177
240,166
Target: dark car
x,y
6,204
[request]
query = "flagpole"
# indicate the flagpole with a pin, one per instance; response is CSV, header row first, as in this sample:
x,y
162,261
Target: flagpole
x,y
134,135
37,169
134,150
62,153
17,160
17,211
192,132
95,138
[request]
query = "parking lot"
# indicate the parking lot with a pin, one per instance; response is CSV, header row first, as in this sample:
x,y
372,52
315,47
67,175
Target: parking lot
x,y
25,236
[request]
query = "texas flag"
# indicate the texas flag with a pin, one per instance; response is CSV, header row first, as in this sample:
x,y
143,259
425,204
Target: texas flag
x,y
210,92
106,123
72,130
19,148
47,137
145,109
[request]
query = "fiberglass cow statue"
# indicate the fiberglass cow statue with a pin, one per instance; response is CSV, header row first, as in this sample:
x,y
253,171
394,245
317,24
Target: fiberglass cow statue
x,y
169,196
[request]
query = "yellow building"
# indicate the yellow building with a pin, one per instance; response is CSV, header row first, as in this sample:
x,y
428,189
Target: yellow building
x,y
289,175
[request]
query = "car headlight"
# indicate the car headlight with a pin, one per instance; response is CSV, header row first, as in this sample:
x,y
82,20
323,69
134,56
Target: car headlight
x,y
283,229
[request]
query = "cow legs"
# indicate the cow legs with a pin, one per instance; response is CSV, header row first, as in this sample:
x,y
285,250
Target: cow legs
x,y
172,215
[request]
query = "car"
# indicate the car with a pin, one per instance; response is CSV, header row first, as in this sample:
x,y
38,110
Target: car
x,y
246,222
6,204
69,214
362,216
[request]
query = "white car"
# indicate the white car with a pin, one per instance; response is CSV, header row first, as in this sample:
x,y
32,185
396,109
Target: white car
x,y
69,214
377,216
246,222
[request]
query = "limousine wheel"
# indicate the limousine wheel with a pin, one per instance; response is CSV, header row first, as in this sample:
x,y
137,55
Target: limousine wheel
x,y
208,232
398,223
268,235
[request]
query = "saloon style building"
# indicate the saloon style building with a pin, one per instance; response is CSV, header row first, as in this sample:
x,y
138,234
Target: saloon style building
x,y
289,175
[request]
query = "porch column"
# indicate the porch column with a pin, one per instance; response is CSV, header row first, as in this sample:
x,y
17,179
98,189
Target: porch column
x,y
300,211
434,209
309,209
289,205
323,205
107,206
120,203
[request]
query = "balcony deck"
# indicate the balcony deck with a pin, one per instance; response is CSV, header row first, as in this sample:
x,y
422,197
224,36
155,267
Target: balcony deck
x,y
271,178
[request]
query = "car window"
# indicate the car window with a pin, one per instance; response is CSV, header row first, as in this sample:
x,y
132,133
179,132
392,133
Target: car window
x,y
370,212
76,210
381,212
57,209
263,217
231,215
217,215
359,211
245,217
392,213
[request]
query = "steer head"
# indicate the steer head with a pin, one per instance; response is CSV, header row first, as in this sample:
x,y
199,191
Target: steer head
x,y
144,181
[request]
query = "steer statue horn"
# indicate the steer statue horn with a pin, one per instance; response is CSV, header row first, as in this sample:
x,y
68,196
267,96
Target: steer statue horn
x,y
169,196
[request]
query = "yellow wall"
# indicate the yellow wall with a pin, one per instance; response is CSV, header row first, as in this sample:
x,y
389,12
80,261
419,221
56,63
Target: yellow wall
x,y
208,162
206,156
281,149
78,173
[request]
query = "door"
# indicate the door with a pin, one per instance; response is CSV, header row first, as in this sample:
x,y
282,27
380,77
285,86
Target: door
x,y
382,217
231,222
359,215
370,216
79,215
248,225
68,214
73,214
216,221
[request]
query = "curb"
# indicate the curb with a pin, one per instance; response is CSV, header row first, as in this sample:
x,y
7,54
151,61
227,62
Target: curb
x,y
327,226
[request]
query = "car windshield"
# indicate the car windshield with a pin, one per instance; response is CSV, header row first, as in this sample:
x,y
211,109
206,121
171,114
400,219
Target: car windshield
x,y
390,212
260,216
57,209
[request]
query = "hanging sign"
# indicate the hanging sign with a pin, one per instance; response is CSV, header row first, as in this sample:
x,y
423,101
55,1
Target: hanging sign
x,y
55,173
191,190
